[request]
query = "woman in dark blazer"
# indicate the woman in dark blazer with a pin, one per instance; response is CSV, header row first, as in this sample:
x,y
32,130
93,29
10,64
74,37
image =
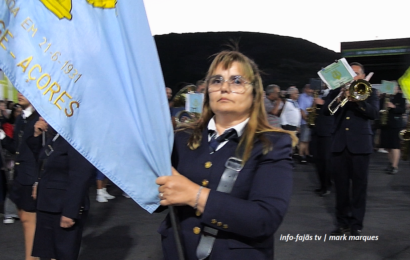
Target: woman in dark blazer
x,y
222,216
389,133
25,169
62,197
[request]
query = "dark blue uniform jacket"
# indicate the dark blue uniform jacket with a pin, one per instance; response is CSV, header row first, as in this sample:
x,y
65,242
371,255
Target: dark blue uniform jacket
x,y
248,217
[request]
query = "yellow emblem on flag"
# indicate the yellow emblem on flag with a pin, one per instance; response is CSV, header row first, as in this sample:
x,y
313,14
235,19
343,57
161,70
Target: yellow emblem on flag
x,y
62,8
103,3
404,82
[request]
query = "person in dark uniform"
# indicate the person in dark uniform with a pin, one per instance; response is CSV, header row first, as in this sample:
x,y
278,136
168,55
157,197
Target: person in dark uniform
x,y
351,149
62,197
25,169
232,176
389,132
321,145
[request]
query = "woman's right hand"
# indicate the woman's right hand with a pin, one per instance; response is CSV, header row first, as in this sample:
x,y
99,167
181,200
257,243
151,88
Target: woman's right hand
x,y
40,126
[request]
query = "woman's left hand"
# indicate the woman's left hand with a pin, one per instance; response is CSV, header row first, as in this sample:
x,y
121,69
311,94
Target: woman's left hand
x,y
177,190
66,222
391,105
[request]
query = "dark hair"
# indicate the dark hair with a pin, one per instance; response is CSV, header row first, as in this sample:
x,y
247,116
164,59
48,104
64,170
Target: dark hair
x,y
10,104
12,118
357,64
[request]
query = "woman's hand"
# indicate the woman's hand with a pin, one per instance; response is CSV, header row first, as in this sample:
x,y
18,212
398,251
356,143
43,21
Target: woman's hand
x,y
40,126
391,105
66,222
177,190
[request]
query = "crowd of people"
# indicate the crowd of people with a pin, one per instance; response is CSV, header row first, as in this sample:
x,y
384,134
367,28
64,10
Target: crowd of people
x,y
231,178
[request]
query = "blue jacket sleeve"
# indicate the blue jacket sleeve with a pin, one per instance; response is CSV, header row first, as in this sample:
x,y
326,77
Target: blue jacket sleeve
x,y
80,172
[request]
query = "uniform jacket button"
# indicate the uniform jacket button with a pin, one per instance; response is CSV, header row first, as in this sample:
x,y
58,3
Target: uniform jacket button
x,y
205,183
196,230
198,213
208,165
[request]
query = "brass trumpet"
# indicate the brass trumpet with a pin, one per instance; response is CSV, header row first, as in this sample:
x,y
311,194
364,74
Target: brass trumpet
x,y
359,90
384,113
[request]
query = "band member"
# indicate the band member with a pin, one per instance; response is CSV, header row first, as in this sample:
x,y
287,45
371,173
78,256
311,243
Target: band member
x,y
222,216
62,197
351,149
321,145
389,134
25,170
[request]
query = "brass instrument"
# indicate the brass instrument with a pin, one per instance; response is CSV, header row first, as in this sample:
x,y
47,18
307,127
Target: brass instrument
x,y
405,137
183,117
312,113
384,113
179,100
359,90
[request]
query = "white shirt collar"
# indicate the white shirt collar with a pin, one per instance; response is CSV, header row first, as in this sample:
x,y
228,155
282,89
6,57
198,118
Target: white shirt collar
x,y
239,128
27,112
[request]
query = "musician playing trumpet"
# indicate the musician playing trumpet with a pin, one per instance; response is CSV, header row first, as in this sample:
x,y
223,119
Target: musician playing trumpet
x,y
351,149
389,134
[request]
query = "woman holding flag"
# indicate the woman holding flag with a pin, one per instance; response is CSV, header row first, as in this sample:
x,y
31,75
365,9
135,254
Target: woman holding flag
x,y
232,176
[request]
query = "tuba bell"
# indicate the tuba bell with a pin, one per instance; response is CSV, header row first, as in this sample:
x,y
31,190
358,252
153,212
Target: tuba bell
x,y
359,90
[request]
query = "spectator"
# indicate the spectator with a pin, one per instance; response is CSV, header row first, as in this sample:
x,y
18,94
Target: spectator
x,y
273,104
291,115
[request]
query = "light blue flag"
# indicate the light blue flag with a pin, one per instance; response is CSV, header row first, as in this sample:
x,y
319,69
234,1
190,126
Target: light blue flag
x,y
91,69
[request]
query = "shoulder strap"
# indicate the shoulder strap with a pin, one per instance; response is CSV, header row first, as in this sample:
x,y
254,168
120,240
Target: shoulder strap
x,y
232,168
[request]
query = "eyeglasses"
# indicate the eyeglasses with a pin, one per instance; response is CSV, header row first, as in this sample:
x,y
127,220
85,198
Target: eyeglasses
x,y
237,84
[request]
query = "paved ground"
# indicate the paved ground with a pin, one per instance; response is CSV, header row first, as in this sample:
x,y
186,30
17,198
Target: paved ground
x,y
121,230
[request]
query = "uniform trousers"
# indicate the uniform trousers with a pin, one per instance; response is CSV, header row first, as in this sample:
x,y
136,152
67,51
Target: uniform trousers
x,y
350,177
321,147
53,241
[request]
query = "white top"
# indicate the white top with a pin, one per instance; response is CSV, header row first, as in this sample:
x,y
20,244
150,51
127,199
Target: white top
x,y
27,112
239,128
291,114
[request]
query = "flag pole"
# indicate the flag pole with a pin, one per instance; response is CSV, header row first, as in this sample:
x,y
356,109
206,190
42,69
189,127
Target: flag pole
x,y
176,233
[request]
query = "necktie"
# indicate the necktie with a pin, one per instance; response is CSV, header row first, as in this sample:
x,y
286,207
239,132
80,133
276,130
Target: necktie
x,y
227,135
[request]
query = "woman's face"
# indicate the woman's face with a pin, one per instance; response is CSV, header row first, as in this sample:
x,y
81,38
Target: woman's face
x,y
226,102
